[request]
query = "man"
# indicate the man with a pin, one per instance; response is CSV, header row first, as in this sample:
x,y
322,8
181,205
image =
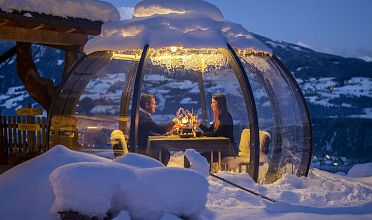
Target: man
x,y
147,127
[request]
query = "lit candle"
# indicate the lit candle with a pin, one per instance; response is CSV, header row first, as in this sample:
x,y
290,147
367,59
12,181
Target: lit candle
x,y
185,120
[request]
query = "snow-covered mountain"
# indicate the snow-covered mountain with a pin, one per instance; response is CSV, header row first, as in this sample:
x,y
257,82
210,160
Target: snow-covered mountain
x,y
336,88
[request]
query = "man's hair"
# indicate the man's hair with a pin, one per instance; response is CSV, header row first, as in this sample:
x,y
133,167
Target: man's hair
x,y
146,99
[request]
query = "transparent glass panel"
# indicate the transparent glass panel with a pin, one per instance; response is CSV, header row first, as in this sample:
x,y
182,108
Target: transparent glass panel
x,y
173,90
224,81
286,124
93,103
264,114
188,83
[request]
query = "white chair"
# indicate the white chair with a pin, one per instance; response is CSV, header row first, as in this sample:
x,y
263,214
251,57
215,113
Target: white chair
x,y
118,143
243,158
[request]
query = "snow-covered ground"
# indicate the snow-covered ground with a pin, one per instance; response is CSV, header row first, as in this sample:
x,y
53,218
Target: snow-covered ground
x,y
138,187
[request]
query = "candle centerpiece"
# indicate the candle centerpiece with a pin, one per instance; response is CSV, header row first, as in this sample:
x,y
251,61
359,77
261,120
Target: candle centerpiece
x,y
186,125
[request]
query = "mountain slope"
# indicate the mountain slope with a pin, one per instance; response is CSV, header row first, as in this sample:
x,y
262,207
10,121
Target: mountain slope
x,y
336,88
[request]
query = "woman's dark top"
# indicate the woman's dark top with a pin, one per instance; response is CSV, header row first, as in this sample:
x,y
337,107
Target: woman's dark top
x,y
226,128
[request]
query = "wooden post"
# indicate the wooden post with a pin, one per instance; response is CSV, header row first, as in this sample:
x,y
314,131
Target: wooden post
x,y
39,145
2,138
211,168
5,134
10,134
19,135
24,136
14,128
3,152
44,133
31,134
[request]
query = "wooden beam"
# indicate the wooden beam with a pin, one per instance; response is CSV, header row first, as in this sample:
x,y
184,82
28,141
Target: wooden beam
x,y
49,22
70,59
38,27
9,53
4,21
41,36
40,89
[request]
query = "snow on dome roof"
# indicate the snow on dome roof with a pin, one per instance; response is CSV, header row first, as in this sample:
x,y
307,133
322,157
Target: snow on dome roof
x,y
161,7
189,24
94,10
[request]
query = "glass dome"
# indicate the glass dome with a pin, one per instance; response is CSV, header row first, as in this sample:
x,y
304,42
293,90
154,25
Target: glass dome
x,y
103,90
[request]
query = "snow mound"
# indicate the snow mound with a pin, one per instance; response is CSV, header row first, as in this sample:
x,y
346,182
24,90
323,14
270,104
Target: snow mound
x,y
198,162
161,7
361,170
225,196
123,215
321,195
94,10
138,160
26,187
169,193
322,189
94,189
161,23
169,217
77,187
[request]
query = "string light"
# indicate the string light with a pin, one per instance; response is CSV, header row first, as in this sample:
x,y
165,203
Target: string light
x,y
189,59
260,63
133,55
258,60
201,59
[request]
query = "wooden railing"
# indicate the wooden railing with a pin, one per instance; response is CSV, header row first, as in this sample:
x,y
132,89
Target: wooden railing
x,y
22,137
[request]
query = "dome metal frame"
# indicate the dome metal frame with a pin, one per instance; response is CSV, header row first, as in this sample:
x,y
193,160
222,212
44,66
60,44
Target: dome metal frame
x,y
70,98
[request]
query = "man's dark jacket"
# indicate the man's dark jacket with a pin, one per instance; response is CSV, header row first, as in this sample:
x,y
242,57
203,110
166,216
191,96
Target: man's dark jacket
x,y
147,127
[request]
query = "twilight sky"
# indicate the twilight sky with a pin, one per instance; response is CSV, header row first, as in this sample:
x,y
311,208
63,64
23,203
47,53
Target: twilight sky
x,y
341,27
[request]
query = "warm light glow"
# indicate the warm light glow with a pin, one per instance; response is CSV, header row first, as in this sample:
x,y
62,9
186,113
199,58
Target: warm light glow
x,y
184,120
257,60
189,59
133,55
248,52
92,127
260,63
173,49
201,59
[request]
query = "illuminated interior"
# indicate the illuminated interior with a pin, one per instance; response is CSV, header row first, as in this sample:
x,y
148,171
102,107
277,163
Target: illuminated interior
x,y
262,96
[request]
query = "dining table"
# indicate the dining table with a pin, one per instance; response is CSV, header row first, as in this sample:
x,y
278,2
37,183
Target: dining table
x,y
157,144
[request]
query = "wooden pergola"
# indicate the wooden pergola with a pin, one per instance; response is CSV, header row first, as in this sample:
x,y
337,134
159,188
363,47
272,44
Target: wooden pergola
x,y
27,28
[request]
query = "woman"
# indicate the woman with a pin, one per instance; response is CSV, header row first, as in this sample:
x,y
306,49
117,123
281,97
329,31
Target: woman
x,y
222,121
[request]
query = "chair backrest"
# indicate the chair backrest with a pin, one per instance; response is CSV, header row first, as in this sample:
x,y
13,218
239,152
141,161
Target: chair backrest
x,y
245,139
264,141
117,139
